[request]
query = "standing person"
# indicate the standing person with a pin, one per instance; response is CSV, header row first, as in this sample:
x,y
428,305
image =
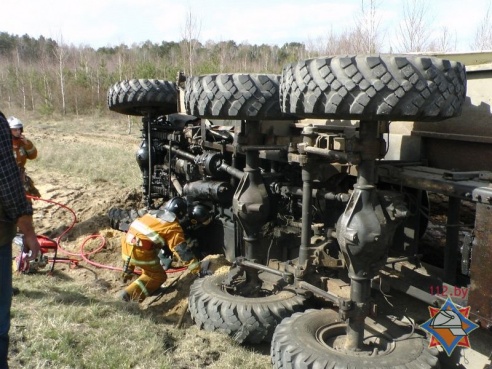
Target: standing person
x,y
145,237
24,149
15,211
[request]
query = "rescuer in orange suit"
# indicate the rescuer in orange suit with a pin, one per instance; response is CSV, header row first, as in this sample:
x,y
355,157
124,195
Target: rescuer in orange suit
x,y
143,240
24,149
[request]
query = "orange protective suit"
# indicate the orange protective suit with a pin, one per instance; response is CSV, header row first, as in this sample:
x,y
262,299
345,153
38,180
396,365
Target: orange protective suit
x,y
140,248
24,149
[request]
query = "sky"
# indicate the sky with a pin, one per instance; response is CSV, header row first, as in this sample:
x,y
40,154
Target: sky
x,y
100,23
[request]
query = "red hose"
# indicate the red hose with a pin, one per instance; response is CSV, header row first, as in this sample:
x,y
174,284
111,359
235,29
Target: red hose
x,y
83,254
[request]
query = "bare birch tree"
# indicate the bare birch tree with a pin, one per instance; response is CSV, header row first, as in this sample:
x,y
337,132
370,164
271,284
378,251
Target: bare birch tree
x,y
60,53
46,91
19,76
414,30
367,22
483,33
446,41
191,34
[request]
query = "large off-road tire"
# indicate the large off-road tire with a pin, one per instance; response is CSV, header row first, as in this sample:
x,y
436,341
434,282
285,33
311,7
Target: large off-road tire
x,y
143,96
234,96
314,339
374,87
245,319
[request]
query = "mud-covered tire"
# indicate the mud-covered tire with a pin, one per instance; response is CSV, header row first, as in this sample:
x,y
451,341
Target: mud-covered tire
x,y
245,319
374,87
305,340
143,96
234,96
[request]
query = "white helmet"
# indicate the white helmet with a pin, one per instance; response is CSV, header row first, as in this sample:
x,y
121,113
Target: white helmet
x,y
15,123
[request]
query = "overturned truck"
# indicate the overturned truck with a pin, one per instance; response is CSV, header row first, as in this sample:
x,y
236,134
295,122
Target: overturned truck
x,y
315,176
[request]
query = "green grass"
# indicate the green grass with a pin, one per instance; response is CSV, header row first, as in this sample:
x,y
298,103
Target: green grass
x,y
91,149
66,321
58,323
90,160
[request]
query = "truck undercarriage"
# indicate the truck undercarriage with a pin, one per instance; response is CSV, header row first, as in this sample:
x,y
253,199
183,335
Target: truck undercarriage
x,y
303,195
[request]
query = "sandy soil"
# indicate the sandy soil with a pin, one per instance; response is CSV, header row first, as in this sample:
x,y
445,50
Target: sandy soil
x,y
77,212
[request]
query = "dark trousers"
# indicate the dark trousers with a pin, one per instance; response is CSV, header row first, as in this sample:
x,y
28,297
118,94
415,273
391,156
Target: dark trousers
x,y
5,301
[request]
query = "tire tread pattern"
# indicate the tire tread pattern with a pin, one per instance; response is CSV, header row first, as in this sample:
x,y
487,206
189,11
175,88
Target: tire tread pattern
x,y
143,96
234,96
295,345
246,320
374,87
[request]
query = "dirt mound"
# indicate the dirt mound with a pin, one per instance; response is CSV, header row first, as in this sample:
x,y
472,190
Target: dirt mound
x,y
75,213
173,303
66,202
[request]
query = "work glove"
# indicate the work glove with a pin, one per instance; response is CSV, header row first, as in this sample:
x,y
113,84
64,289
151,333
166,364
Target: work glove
x,y
120,219
127,274
165,260
200,268
194,267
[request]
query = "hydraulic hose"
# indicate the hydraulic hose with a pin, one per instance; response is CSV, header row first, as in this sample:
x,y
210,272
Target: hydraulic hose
x,y
82,253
